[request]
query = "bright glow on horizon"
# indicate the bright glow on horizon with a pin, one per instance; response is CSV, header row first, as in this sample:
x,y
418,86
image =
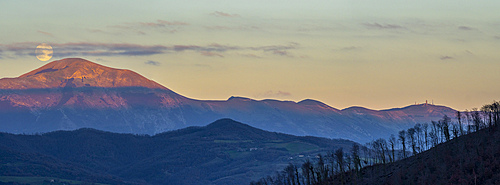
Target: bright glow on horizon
x,y
377,55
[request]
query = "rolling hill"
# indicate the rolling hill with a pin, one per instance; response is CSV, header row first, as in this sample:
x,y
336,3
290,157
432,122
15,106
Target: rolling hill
x,y
223,152
469,159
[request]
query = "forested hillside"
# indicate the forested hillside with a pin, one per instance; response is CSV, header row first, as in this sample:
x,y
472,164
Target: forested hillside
x,y
443,152
224,152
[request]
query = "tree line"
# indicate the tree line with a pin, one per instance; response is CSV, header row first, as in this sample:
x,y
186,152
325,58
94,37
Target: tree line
x,y
338,166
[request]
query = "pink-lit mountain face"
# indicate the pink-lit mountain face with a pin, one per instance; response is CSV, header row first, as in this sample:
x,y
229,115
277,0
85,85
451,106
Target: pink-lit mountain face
x,y
74,93
78,83
76,72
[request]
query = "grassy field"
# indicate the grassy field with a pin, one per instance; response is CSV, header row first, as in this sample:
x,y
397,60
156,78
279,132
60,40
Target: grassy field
x,y
294,147
232,141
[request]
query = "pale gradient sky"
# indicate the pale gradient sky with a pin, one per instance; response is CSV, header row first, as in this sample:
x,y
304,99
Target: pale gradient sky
x,y
376,54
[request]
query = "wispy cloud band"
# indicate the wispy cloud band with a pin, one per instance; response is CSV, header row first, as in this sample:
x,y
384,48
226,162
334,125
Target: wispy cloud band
x,y
383,26
223,14
125,49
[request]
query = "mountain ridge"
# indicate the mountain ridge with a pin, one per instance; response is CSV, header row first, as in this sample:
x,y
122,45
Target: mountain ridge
x,y
60,99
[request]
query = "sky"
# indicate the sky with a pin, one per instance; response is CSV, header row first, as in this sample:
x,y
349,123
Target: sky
x,y
376,54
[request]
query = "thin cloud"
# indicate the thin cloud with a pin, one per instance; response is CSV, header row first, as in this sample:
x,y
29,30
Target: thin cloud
x,y
45,33
90,49
98,31
446,58
350,48
158,25
163,23
251,55
153,63
101,60
210,54
209,48
466,28
382,26
274,94
280,52
225,28
124,49
222,14
218,28
172,23
272,48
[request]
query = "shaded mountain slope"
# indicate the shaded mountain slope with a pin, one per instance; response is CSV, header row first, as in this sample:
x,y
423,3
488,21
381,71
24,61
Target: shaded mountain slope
x,y
17,163
469,159
223,152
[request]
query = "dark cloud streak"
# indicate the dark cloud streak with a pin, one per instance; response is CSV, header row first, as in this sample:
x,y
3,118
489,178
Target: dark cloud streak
x,y
222,14
465,28
446,58
153,63
45,33
383,26
210,54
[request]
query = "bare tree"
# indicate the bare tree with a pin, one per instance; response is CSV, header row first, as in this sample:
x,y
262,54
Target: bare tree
x,y
496,112
306,173
445,122
411,139
355,157
402,138
425,127
418,136
392,143
339,154
330,156
468,118
291,177
321,170
348,162
366,153
435,132
460,126
487,111
476,118
455,130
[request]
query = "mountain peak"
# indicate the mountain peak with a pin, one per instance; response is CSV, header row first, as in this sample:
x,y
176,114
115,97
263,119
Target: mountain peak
x,y
77,66
230,129
77,72
225,122
238,98
315,103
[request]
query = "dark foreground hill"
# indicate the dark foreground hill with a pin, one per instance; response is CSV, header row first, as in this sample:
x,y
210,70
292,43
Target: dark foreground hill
x,y
223,152
469,159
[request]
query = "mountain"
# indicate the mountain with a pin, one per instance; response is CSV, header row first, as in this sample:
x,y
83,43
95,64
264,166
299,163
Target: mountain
x,y
223,152
77,72
74,93
468,159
